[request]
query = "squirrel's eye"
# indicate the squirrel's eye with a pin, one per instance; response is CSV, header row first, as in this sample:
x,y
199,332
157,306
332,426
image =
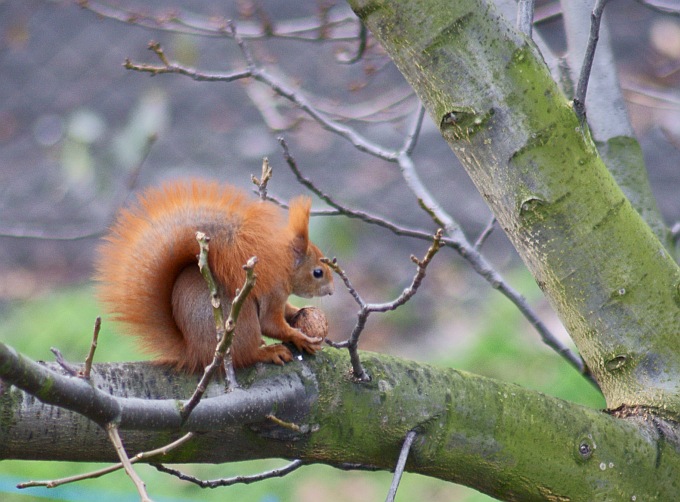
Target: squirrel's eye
x,y
317,273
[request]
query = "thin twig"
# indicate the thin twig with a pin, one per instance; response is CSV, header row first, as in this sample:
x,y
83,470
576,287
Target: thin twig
x,y
71,370
401,463
485,234
282,423
351,344
368,218
274,473
168,67
224,342
263,181
584,77
421,267
220,328
221,333
93,347
363,38
114,436
164,450
366,309
455,240
414,134
343,210
277,85
204,267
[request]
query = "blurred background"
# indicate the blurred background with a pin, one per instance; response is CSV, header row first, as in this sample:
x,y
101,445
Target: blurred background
x,y
75,144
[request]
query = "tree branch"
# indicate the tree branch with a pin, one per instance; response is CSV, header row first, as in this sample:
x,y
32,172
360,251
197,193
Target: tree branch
x,y
504,116
87,399
462,421
584,77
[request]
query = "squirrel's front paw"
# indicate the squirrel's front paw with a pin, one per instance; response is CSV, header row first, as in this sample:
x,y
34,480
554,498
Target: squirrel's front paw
x,y
307,343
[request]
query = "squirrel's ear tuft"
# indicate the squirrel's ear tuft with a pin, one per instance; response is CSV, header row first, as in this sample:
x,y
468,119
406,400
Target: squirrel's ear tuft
x,y
298,223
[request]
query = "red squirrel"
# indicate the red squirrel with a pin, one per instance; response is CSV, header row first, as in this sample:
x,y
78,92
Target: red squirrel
x,y
149,278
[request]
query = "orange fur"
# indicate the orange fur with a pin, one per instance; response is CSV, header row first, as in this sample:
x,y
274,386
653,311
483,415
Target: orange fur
x,y
148,274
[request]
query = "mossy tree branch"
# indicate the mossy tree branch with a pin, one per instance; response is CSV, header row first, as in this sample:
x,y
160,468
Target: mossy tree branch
x,y
502,439
606,273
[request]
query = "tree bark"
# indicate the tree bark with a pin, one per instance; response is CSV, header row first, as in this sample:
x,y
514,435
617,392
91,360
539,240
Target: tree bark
x,y
499,438
610,279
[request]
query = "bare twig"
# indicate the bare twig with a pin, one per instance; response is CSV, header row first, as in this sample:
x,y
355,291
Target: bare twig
x,y
62,362
401,463
93,348
485,233
366,309
282,423
457,241
343,210
410,175
262,182
215,301
584,77
277,85
351,344
164,450
363,37
225,340
414,134
280,472
114,436
168,67
421,266
220,327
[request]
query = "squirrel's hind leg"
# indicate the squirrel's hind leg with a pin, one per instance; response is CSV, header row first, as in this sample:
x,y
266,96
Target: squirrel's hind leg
x,y
248,347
